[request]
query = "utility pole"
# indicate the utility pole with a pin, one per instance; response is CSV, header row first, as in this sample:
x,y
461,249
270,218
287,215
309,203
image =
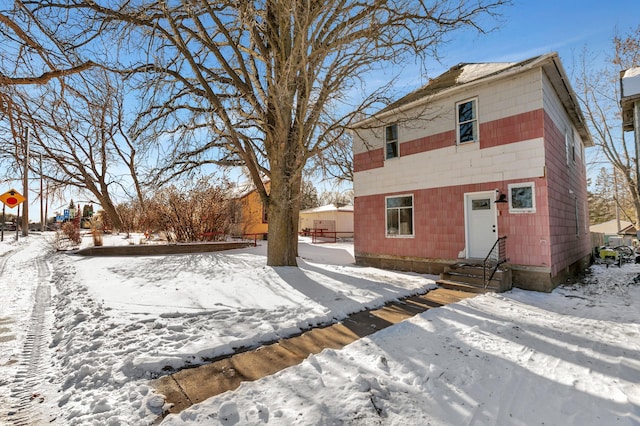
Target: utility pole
x,y
25,209
43,225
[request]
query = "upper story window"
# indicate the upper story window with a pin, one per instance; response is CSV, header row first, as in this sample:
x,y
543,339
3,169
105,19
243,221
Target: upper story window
x,y
391,141
399,212
467,121
265,215
571,146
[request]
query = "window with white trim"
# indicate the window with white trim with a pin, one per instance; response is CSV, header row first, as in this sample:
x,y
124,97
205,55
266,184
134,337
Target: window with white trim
x,y
570,146
522,198
391,141
577,218
399,216
467,121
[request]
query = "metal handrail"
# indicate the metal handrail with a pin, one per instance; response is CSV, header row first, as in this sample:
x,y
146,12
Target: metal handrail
x,y
500,259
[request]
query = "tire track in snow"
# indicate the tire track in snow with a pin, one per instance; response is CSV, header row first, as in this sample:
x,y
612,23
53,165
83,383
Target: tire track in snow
x,y
24,405
4,257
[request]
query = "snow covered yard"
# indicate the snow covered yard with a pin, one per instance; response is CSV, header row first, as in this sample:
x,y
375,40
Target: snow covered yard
x,y
571,357
521,358
118,321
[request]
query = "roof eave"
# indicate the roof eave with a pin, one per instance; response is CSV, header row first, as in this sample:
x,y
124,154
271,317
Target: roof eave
x,y
445,92
558,78
569,100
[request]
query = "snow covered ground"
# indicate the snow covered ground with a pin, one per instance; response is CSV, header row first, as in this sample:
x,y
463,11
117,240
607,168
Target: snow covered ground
x,y
105,326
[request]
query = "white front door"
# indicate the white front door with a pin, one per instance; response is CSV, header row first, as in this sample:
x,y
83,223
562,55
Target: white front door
x,y
481,225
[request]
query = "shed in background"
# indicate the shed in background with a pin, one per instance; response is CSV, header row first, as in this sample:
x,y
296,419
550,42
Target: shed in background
x,y
330,218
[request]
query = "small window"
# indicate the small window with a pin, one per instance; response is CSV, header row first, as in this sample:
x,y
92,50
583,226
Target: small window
x,y
467,121
483,204
571,146
522,198
391,140
577,218
400,216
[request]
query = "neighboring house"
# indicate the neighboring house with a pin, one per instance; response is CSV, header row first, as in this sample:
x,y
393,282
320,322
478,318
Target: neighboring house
x,y
430,167
616,232
249,215
330,218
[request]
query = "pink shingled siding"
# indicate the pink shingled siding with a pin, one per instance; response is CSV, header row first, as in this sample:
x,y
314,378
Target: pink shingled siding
x,y
567,182
439,225
520,127
368,160
528,239
546,238
516,128
428,143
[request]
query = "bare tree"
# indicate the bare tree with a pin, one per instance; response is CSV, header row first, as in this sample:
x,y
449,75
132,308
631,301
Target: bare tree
x,y
599,95
31,53
336,162
264,84
79,128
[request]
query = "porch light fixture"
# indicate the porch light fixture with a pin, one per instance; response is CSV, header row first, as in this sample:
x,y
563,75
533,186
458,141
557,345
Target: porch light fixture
x,y
502,198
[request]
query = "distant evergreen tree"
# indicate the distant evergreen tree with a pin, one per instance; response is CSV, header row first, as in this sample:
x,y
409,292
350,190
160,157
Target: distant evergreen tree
x,y
87,210
604,199
601,203
309,196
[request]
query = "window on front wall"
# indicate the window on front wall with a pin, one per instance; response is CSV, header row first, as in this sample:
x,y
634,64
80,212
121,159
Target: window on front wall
x,y
467,121
522,198
399,216
391,140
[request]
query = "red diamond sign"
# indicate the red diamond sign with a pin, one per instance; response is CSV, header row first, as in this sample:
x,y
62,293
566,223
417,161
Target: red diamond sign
x,y
11,198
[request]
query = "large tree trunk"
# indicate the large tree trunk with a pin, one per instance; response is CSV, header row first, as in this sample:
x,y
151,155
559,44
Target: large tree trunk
x,y
283,212
110,211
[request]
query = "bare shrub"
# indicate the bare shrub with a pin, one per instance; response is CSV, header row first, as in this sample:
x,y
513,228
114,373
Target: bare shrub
x,y
72,231
190,212
97,237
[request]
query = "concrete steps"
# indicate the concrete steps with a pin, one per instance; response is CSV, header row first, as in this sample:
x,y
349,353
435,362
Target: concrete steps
x,y
470,278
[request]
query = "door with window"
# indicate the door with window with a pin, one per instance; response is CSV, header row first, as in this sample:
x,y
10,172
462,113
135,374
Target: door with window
x,y
481,224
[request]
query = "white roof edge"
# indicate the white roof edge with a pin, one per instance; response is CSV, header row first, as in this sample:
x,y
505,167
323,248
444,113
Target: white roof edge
x,y
630,82
502,74
329,208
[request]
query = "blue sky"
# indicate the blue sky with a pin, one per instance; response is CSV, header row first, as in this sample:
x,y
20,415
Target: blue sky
x,y
533,27
526,29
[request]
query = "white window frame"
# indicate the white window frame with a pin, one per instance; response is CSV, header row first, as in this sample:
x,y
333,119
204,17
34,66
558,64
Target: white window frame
x,y
516,210
577,217
475,121
386,217
387,142
570,146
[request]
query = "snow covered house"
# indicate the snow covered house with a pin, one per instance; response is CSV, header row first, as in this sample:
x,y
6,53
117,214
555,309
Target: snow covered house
x,y
332,218
483,151
248,212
